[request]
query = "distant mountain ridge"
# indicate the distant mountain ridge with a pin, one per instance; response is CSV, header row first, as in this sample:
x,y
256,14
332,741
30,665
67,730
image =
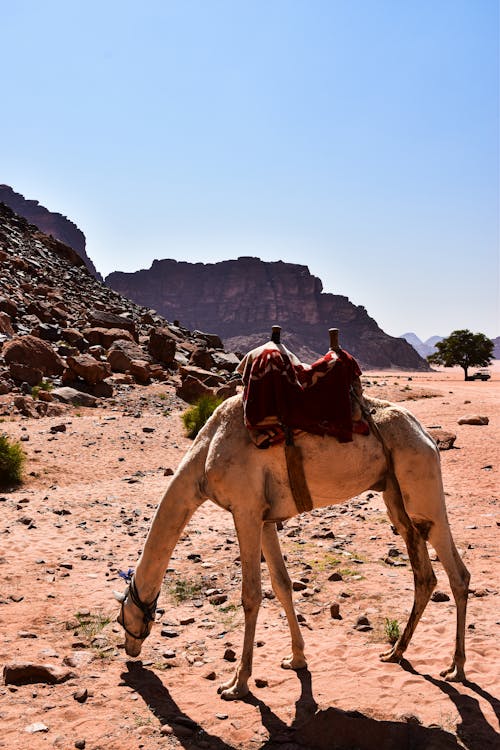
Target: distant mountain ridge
x,y
241,299
49,222
424,348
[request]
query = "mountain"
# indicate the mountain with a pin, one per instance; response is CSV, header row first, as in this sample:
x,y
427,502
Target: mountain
x,y
241,299
424,348
50,223
60,324
496,350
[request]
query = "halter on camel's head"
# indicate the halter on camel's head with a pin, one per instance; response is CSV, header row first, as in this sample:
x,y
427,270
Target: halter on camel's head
x,y
133,647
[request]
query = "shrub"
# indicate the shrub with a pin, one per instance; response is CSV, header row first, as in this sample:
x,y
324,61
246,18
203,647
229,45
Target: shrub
x,y
45,385
196,416
12,458
391,629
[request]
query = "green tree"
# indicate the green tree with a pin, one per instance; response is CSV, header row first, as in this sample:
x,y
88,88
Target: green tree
x,y
463,348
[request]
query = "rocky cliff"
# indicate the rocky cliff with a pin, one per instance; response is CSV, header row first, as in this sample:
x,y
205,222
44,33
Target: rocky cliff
x,y
49,223
65,334
241,299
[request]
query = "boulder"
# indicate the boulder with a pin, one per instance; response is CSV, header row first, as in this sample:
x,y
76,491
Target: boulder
x,y
73,337
192,389
211,339
443,439
6,324
88,368
33,352
26,406
201,357
121,354
225,361
139,368
474,419
162,345
207,377
103,319
106,336
26,673
8,306
72,396
25,373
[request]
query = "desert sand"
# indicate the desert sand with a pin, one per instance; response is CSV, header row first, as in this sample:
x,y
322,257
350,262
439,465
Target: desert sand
x,y
82,515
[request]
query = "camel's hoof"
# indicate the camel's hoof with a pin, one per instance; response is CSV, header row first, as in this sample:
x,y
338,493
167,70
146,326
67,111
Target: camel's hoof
x,y
453,674
234,693
394,655
291,662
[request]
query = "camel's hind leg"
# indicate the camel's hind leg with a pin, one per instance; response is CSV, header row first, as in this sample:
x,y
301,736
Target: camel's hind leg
x,y
249,530
282,586
459,577
423,574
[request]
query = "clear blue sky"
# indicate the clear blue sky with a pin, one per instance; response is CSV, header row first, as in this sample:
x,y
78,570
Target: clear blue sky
x,y
359,137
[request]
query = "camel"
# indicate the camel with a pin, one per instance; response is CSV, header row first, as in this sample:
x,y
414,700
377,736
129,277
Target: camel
x,y
223,465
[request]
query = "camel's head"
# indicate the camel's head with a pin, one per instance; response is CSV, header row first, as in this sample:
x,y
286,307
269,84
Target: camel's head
x,y
135,617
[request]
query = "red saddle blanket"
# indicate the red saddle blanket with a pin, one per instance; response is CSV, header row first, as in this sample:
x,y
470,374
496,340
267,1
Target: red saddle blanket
x,y
281,392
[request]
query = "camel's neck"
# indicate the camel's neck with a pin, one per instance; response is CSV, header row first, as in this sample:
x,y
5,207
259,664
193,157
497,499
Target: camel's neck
x,y
173,513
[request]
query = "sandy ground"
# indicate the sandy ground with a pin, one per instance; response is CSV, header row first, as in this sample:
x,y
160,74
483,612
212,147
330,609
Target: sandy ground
x,y
83,514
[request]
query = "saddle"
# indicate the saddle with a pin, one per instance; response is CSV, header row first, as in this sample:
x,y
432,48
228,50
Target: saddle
x,y
283,397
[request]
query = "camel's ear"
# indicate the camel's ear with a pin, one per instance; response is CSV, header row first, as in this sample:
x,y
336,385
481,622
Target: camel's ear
x,y
120,597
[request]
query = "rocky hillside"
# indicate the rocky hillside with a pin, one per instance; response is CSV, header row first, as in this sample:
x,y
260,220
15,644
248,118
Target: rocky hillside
x,y
65,336
50,223
243,298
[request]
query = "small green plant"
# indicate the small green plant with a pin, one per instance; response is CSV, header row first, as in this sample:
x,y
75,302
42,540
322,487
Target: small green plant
x,y
45,385
196,416
185,588
12,458
90,625
391,630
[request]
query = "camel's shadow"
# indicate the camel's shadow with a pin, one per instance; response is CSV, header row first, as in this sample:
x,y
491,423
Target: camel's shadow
x,y
329,729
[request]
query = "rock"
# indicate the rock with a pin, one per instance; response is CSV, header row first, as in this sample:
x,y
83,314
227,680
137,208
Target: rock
x,y
335,577
6,324
261,682
81,695
207,377
26,406
363,624
229,655
72,396
34,353
27,673
73,337
474,419
218,599
169,633
192,389
225,361
140,370
335,611
103,319
201,357
25,373
162,345
440,596
88,368
80,744
211,339
122,353
106,336
58,428
443,439
299,585
210,675
38,726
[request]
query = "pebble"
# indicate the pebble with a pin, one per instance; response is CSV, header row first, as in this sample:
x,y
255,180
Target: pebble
x,y
440,596
335,611
38,726
363,624
81,695
261,682
299,585
169,633
335,577
210,675
80,744
229,655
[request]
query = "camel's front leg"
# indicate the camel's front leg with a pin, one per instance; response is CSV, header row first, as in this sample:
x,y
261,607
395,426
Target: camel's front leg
x,y
249,532
282,586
